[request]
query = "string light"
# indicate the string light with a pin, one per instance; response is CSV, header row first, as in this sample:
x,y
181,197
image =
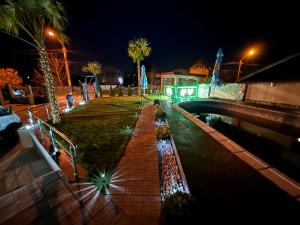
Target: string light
x,y
50,86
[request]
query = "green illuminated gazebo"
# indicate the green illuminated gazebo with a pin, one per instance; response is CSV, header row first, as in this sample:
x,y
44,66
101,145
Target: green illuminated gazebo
x,y
180,84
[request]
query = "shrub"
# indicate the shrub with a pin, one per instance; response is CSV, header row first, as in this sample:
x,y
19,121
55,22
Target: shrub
x,y
156,102
127,131
120,91
177,209
100,91
129,90
163,132
160,115
111,92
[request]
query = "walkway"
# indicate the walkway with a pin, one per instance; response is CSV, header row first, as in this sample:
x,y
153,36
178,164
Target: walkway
x,y
218,179
139,196
134,200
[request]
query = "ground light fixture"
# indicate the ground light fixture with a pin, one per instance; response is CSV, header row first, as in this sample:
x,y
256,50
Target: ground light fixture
x,y
101,181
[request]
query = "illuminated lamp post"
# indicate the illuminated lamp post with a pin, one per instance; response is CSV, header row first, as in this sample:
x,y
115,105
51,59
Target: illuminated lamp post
x,y
64,50
249,53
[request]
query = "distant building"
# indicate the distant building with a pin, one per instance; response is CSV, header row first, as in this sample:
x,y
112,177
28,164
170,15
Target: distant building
x,y
200,68
184,82
111,76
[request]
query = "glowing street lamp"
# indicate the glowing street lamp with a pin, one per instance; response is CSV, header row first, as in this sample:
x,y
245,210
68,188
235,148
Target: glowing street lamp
x,y
52,34
249,53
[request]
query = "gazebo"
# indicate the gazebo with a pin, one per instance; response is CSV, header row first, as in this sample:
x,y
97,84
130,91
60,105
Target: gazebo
x,y
183,84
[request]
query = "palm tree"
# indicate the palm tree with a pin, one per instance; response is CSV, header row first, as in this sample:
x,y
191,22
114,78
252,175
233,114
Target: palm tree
x,y
32,17
94,68
137,50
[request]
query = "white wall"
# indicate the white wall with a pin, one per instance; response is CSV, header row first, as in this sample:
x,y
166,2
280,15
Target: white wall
x,y
231,91
203,90
228,91
275,93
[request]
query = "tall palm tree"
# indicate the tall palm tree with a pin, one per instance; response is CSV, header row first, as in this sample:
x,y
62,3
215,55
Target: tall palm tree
x,y
137,50
32,17
94,68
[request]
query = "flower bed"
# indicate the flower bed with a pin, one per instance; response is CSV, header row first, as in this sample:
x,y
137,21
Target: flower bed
x,y
171,179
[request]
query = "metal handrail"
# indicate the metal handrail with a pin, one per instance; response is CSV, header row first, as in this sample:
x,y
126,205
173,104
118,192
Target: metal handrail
x,y
72,147
54,129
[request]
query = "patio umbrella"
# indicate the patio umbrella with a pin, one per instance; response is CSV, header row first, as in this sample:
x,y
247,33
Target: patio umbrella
x,y
144,81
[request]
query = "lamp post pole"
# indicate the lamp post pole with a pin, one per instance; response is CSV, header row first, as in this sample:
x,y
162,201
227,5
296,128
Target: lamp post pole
x,y
67,66
249,53
64,50
239,70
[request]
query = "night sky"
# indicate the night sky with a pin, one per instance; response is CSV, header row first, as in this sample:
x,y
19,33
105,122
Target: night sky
x,y
179,32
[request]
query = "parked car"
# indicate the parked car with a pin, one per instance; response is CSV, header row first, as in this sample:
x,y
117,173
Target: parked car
x,y
9,123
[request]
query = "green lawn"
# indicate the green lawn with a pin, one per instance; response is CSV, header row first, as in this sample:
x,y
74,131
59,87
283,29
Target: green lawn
x,y
98,136
159,97
110,104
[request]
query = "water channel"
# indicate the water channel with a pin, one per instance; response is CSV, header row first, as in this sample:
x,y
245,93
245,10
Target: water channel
x,y
218,179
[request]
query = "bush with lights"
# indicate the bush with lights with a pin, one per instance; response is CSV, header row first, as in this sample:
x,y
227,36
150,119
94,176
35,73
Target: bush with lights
x,y
159,113
101,181
163,132
127,131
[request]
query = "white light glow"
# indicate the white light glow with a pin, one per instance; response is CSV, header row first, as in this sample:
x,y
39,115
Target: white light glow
x,y
66,109
81,102
169,91
190,91
298,139
120,79
28,127
182,92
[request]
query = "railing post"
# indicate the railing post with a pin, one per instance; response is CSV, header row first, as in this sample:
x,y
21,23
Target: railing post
x,y
30,120
53,142
74,161
40,128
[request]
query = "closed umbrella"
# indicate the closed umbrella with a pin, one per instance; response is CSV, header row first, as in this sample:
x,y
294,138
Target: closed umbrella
x,y
216,81
144,81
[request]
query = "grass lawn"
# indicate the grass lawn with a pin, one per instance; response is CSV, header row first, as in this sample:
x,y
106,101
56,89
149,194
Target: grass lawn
x,y
110,104
153,97
98,136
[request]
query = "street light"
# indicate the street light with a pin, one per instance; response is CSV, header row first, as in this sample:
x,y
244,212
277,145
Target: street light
x,y
249,53
52,34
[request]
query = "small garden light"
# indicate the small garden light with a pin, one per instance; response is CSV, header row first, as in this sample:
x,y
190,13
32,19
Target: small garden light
x,y
101,181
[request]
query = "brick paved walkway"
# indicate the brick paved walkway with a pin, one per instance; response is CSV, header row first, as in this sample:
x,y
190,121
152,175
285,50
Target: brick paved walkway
x,y
140,196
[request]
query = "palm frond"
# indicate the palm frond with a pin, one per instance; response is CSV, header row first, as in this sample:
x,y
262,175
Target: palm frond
x,y
138,49
32,16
